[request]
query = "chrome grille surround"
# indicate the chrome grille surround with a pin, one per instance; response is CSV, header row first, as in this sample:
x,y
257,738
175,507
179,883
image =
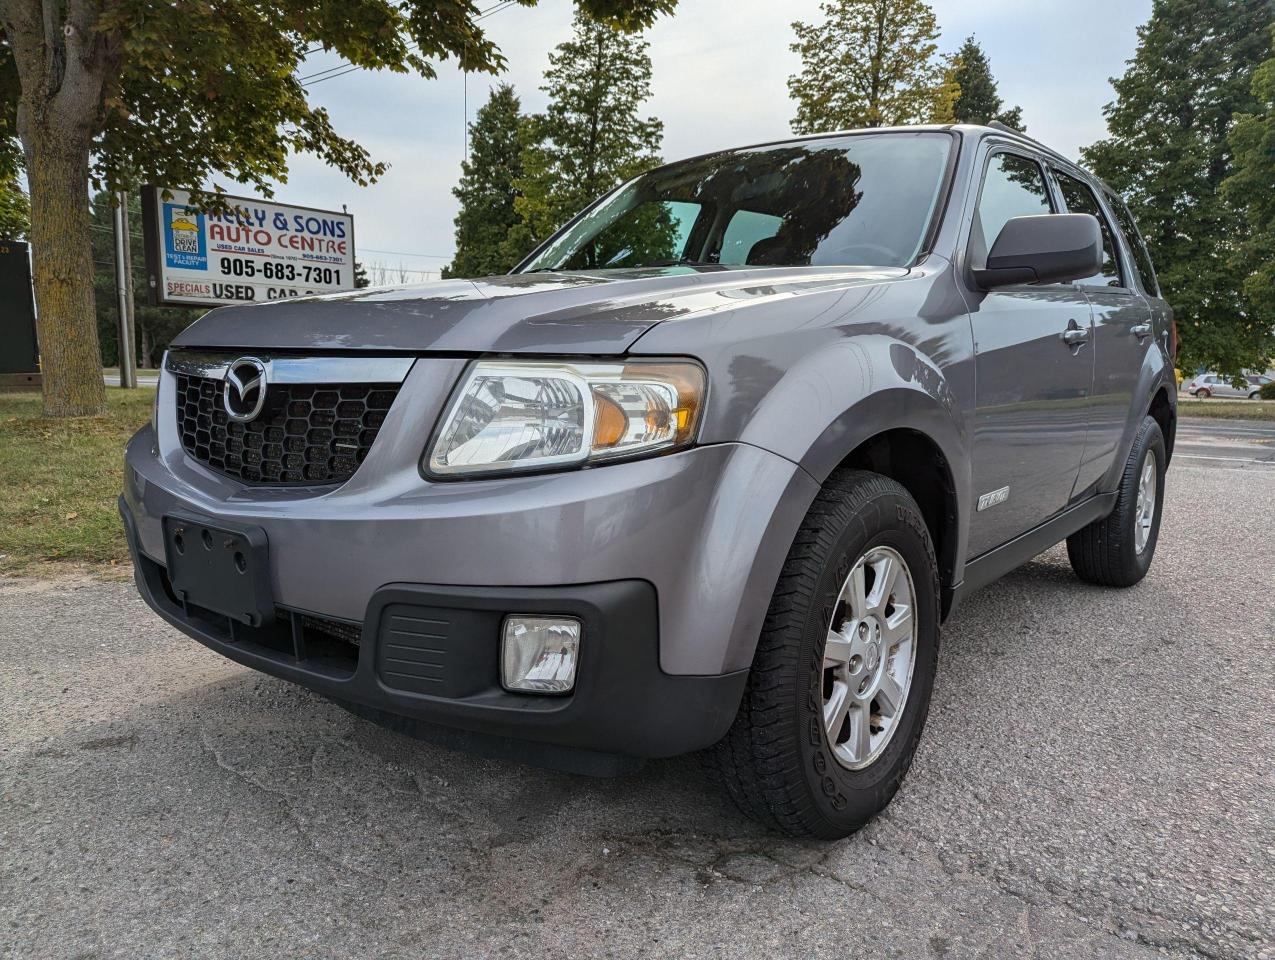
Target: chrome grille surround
x,y
320,416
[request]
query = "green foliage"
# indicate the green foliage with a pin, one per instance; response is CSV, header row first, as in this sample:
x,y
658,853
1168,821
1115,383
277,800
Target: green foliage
x,y
978,101
590,138
154,326
193,91
1252,188
1168,153
1267,391
15,208
870,63
486,190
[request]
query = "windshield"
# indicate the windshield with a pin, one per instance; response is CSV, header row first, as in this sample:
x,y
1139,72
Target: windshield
x,y
860,200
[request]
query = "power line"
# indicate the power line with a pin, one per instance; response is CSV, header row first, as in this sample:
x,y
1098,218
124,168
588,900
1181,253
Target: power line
x,y
98,226
345,67
404,253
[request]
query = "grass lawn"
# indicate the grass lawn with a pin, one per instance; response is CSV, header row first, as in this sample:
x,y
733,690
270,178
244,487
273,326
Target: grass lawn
x,y
60,480
1227,409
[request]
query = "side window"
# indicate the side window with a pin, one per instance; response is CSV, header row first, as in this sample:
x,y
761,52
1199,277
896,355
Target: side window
x,y
1013,186
1080,199
1141,257
745,230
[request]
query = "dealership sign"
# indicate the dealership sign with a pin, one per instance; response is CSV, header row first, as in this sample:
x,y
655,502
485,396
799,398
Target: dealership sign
x,y
250,252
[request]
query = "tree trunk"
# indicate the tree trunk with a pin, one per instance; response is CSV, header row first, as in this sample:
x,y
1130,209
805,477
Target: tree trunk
x,y
146,363
66,324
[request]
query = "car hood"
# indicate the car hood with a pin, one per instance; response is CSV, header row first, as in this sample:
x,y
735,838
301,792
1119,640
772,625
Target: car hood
x,y
600,312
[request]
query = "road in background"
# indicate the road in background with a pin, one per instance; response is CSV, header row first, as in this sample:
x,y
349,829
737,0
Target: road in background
x,y
1242,443
1095,782
113,380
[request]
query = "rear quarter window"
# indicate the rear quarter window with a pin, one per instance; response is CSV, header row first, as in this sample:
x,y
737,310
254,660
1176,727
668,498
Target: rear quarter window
x,y
1133,238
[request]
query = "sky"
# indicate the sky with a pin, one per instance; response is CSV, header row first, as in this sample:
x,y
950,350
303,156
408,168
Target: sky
x,y
720,70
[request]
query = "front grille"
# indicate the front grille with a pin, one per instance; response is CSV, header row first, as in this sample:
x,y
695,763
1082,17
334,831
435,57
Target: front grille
x,y
305,434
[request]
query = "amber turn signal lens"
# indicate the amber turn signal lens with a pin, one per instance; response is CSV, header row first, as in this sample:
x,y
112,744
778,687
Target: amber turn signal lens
x,y
610,422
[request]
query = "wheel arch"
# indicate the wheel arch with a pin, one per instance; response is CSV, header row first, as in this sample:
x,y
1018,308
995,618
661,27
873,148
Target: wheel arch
x,y
1163,411
916,461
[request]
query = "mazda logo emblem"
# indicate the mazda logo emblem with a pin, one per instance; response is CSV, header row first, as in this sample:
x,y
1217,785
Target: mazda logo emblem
x,y
245,392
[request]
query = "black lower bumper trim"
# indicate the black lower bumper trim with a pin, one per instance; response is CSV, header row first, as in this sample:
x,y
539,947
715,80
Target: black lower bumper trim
x,y
623,703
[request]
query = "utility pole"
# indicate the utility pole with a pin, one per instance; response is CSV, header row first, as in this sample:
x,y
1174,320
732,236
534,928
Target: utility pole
x,y
124,289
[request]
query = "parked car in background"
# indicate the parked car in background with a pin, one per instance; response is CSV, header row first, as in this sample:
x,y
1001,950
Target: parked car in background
x,y
706,471
1207,385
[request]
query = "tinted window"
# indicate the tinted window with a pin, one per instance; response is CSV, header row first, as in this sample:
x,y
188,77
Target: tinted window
x,y
746,230
1080,199
1141,257
1012,187
857,200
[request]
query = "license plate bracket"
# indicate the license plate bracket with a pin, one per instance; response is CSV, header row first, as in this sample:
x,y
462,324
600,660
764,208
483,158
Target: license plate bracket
x,y
219,566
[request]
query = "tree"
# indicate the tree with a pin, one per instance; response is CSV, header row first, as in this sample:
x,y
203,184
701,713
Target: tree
x,y
1252,188
978,101
1168,153
870,63
486,190
116,92
590,138
155,326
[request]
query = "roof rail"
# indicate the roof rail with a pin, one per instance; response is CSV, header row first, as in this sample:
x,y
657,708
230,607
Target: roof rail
x,y
1006,128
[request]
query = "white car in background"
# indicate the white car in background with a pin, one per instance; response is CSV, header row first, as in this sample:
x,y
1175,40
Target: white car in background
x,y
1211,385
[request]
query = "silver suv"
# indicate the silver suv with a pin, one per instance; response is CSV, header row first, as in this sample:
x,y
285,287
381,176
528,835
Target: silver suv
x,y
705,472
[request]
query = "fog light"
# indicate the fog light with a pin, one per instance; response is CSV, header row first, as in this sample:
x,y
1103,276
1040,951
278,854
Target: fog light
x,y
540,654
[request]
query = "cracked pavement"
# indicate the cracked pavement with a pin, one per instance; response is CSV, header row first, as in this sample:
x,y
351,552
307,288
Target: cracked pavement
x,y
1095,781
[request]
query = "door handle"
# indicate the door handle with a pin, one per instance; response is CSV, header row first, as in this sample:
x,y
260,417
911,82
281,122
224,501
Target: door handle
x,y
1075,335
1141,330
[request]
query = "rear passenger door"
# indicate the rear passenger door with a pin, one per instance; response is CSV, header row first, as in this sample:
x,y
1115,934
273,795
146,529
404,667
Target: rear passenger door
x,y
1121,335
1032,386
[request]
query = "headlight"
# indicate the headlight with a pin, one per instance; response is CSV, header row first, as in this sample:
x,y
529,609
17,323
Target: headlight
x,y
512,416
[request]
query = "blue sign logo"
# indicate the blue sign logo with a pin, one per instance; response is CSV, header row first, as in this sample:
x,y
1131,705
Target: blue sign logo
x,y
184,245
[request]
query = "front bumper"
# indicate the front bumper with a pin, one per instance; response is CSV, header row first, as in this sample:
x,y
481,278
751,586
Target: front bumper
x,y
670,562
623,703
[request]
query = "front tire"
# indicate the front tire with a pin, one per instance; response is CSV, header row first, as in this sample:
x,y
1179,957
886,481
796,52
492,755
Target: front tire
x,y
1117,550
840,685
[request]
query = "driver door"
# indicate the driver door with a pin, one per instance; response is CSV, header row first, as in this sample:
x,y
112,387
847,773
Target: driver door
x,y
1034,370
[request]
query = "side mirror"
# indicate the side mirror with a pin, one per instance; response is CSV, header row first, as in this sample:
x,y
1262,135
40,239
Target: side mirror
x,y
1051,248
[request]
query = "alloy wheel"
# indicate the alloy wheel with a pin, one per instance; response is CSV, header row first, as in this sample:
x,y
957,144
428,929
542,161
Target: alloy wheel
x,y
869,657
1144,513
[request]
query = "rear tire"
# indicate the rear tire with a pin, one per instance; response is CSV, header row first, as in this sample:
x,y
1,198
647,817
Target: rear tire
x,y
1203,394
829,723
1117,550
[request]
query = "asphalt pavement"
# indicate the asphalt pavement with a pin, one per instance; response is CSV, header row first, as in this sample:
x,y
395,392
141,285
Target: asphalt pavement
x,y
1241,443
1095,781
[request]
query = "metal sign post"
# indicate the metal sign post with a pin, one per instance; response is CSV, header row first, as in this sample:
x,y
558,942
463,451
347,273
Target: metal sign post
x,y
123,283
